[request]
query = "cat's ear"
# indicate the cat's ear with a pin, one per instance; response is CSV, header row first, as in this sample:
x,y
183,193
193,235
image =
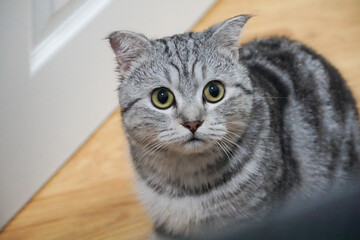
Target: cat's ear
x,y
128,47
227,34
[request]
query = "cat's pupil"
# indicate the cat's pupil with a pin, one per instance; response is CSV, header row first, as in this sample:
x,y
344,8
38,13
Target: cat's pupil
x,y
163,96
214,90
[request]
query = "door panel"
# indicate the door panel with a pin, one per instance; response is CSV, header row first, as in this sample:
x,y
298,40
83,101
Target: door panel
x,y
55,93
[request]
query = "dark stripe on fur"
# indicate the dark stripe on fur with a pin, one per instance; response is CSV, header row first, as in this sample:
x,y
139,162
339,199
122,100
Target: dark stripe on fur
x,y
177,69
127,108
203,71
182,59
166,47
167,75
244,89
193,67
270,81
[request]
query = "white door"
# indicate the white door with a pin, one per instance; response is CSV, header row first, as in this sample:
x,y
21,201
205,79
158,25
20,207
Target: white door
x,y
57,79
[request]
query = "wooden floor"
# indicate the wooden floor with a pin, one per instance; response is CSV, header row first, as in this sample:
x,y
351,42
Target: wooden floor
x,y
92,196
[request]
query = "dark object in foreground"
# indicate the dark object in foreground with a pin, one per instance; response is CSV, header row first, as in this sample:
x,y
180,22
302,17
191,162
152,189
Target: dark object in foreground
x,y
334,218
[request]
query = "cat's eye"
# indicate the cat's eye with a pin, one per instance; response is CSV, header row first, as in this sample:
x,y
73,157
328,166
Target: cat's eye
x,y
162,98
214,91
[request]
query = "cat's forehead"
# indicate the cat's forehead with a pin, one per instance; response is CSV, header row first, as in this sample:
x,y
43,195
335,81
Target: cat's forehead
x,y
184,62
181,59
180,47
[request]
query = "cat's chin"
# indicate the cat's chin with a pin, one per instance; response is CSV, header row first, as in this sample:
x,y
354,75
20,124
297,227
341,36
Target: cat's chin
x,y
193,145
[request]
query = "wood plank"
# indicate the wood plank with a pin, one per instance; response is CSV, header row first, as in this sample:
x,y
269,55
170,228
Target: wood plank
x,y
92,196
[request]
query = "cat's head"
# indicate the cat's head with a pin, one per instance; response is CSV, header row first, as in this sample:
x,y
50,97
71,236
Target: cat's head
x,y
186,93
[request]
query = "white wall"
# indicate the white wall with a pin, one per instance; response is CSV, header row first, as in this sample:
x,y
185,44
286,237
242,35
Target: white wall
x,y
53,98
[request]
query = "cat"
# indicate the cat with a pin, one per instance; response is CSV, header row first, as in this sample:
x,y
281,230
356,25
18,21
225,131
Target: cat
x,y
220,133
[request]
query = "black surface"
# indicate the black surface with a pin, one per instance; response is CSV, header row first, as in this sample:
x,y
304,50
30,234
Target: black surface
x,y
335,217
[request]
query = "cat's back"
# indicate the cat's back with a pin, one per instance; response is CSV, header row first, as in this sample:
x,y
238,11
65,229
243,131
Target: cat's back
x,y
317,112
297,68
297,72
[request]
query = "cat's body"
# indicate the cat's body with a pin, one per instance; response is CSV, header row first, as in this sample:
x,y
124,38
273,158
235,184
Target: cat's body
x,y
287,126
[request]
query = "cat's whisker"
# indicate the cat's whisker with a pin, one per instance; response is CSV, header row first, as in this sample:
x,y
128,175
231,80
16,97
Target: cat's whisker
x,y
228,132
146,142
158,146
233,134
231,141
224,148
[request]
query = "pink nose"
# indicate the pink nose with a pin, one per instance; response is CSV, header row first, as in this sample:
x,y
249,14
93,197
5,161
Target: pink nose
x,y
192,126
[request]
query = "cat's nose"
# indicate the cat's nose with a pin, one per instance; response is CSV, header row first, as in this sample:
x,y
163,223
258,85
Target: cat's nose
x,y
193,126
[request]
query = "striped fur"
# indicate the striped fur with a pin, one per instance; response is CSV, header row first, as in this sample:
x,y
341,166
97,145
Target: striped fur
x,y
286,128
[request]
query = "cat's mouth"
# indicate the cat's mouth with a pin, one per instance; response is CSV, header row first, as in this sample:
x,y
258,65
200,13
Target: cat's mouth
x,y
194,144
194,139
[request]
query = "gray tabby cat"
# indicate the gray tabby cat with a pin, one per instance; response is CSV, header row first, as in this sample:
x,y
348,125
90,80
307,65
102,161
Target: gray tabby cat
x,y
219,133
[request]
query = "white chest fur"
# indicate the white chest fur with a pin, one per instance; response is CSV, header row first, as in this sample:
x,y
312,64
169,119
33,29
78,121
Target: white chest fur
x,y
185,214
179,214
